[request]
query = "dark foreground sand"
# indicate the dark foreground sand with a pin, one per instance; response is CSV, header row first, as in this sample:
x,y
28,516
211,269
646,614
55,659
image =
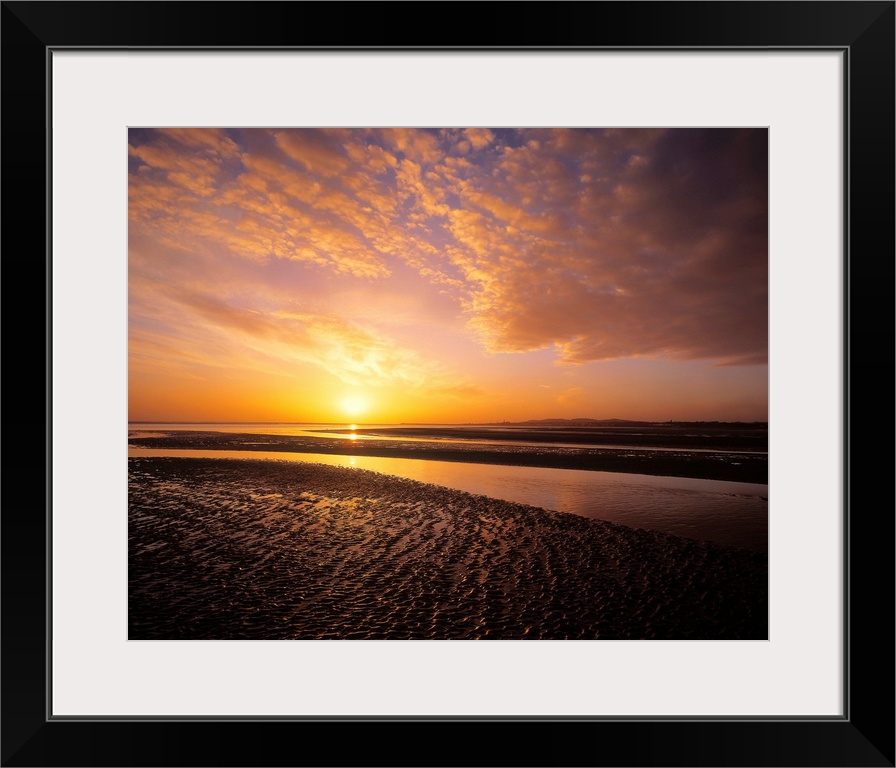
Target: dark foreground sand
x,y
239,549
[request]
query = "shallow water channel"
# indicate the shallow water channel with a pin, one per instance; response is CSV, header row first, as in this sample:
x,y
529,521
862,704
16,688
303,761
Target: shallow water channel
x,y
728,513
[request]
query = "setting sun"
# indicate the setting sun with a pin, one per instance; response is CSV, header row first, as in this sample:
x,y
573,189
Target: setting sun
x,y
353,404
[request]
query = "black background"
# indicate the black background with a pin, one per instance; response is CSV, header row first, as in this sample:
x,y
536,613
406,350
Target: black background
x,y
865,737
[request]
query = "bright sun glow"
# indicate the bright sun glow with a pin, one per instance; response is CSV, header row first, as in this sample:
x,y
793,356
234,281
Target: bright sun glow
x,y
353,405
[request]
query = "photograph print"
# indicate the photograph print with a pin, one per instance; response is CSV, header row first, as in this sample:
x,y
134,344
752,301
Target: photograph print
x,y
451,383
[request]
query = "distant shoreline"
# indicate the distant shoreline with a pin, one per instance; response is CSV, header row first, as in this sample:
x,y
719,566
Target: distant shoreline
x,y
746,466
694,438
528,423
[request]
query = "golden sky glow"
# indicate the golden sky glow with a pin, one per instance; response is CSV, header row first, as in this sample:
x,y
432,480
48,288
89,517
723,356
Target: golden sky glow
x,y
447,275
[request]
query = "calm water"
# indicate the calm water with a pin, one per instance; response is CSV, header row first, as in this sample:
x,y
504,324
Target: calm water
x,y
734,514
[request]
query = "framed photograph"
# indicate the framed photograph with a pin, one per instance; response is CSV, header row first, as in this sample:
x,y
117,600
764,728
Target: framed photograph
x,y
679,227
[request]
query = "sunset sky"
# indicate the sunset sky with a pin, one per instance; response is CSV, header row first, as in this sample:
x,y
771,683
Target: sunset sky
x,y
447,275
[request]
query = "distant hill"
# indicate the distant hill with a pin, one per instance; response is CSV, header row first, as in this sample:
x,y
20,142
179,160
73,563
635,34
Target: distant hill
x,y
578,422
630,423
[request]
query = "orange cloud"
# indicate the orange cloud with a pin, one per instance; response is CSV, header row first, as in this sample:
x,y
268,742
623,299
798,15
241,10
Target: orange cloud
x,y
318,151
479,137
416,145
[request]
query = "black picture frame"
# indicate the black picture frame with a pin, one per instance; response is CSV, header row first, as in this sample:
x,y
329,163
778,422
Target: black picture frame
x,y
864,736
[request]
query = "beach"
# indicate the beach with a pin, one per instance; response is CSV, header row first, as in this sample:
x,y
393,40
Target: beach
x,y
260,549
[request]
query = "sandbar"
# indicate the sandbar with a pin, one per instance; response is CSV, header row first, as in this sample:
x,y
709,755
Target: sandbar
x,y
745,467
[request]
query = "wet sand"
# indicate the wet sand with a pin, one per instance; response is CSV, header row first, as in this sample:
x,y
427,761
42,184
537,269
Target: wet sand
x,y
244,549
745,467
697,436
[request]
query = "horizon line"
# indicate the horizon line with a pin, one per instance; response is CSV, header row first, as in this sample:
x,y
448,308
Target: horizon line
x,y
462,423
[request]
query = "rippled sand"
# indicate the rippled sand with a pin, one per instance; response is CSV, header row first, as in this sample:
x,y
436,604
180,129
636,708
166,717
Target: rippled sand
x,y
240,549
